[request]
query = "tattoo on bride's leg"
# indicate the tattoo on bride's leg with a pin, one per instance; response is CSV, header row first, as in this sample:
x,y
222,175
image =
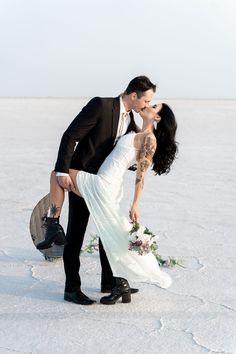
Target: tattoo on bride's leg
x,y
54,210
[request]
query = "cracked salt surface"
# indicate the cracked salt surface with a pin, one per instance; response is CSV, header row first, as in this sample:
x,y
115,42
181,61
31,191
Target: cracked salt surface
x,y
191,209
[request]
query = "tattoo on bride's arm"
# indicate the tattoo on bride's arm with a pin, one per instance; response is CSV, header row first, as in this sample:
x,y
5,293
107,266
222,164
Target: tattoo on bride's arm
x,y
142,151
141,169
144,165
144,159
139,182
148,148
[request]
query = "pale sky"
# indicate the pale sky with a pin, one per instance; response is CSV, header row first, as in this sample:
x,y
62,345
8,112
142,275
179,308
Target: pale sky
x,y
95,47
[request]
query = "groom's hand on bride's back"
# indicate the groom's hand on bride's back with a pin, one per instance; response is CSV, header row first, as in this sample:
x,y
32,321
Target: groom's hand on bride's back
x,y
66,183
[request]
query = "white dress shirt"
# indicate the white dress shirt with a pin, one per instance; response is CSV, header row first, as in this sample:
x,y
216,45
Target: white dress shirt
x,y
124,121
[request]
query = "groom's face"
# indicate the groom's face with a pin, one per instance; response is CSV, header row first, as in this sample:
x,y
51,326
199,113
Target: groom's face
x,y
140,103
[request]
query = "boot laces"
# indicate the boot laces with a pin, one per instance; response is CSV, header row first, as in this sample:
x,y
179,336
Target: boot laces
x,y
44,222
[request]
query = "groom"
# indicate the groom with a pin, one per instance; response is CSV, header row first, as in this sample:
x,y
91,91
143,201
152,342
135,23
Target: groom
x,y
96,129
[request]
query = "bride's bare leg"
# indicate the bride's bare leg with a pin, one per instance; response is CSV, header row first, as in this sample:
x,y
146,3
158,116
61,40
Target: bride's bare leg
x,y
54,231
57,196
57,193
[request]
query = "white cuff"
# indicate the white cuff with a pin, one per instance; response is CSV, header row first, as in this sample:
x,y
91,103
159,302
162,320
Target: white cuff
x,y
61,174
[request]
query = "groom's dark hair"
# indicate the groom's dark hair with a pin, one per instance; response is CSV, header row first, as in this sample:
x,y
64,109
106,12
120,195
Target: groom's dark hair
x,y
140,84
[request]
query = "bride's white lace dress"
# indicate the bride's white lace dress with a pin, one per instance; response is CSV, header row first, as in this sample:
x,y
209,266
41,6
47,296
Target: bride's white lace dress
x,y
102,193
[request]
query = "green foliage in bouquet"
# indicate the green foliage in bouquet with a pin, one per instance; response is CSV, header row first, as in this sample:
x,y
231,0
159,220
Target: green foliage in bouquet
x,y
142,241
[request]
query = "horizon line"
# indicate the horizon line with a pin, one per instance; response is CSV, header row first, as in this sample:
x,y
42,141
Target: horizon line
x,y
89,97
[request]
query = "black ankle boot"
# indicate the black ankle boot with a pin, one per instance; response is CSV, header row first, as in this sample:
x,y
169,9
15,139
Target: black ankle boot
x,y
121,289
54,234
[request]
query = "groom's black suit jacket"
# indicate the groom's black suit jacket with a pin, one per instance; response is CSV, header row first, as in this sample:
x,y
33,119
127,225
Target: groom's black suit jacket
x,y
95,129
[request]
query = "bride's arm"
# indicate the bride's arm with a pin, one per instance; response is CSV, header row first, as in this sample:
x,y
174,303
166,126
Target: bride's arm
x,y
144,160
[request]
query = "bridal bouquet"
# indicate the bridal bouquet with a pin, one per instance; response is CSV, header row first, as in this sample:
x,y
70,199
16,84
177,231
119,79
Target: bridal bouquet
x,y
143,241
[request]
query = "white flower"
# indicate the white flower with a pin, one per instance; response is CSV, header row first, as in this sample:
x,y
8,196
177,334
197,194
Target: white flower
x,y
133,237
146,238
140,231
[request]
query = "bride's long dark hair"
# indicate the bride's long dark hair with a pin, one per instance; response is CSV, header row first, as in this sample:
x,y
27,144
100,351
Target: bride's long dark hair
x,y
166,145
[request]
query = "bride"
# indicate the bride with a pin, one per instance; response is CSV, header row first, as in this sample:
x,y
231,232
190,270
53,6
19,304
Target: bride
x,y
152,146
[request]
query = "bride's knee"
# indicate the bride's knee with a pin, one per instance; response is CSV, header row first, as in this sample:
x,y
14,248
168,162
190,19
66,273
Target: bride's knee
x,y
53,175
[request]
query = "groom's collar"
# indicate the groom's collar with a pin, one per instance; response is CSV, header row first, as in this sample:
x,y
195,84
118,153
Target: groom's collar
x,y
122,106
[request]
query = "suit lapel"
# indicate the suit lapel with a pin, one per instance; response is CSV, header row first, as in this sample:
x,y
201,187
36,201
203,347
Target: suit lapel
x,y
115,116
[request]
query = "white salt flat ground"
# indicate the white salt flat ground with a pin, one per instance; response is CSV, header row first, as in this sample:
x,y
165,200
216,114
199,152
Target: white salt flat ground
x,y
192,209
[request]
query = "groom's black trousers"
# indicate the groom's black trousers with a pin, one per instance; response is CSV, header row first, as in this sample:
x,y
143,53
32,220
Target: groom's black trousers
x,y
77,223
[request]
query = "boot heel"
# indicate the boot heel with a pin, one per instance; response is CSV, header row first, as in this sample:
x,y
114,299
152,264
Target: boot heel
x,y
121,290
126,298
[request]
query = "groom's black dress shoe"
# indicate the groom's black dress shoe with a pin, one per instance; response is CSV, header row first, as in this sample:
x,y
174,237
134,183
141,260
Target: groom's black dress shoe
x,y
108,289
78,298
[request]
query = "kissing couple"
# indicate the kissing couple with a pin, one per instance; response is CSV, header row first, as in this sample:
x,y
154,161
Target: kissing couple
x,y
96,150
